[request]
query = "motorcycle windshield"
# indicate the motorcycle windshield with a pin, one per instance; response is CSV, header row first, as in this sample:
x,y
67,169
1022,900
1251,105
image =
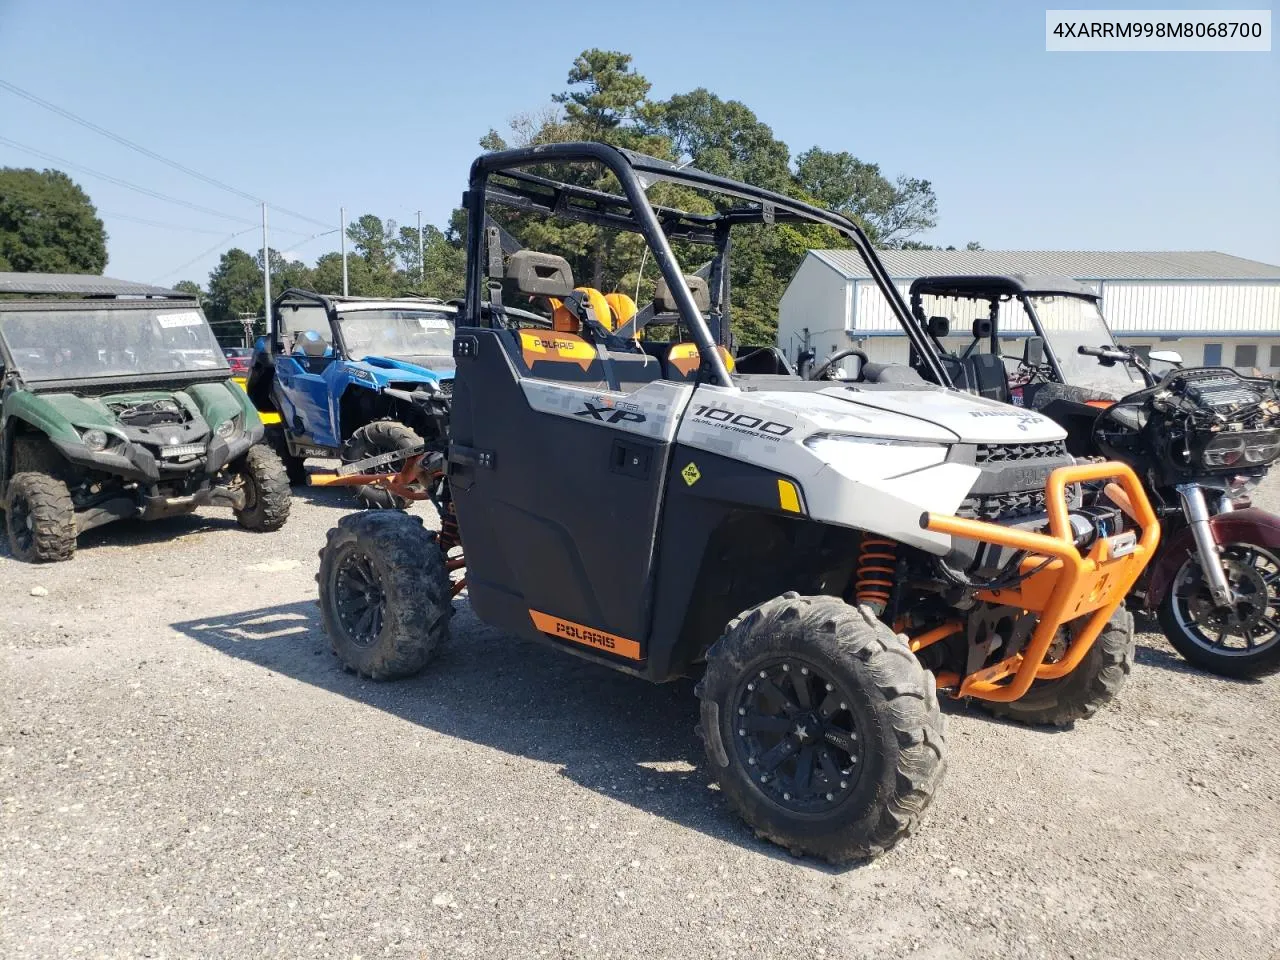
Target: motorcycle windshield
x,y
1069,323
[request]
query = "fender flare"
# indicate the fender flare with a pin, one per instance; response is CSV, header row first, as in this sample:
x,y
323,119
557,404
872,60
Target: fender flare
x,y
1249,525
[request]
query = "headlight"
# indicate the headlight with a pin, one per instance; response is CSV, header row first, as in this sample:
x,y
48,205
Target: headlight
x,y
1262,447
874,457
94,439
225,429
1238,449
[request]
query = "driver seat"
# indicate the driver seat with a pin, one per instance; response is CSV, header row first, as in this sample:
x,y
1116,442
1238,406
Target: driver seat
x,y
987,376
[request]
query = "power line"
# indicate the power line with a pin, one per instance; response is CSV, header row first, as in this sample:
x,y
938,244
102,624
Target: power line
x,y
154,223
123,183
145,191
125,141
290,213
28,95
214,249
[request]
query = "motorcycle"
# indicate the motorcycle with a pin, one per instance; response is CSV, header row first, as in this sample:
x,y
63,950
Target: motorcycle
x,y
1200,438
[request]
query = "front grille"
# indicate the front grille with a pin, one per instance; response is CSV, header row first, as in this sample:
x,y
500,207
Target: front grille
x,y
446,387
1007,452
1002,507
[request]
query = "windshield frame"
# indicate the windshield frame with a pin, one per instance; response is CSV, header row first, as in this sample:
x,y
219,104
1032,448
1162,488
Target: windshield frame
x,y
338,312
1026,298
157,378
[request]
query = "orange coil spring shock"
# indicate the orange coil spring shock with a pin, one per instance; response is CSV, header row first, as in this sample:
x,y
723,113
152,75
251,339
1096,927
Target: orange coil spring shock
x,y
449,535
876,559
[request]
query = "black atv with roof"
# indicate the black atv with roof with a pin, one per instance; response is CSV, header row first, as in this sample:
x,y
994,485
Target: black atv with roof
x,y
117,402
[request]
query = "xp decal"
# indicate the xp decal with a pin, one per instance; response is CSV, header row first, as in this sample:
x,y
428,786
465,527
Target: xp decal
x,y
610,414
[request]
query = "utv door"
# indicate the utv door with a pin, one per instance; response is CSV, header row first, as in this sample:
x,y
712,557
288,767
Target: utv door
x,y
303,355
558,459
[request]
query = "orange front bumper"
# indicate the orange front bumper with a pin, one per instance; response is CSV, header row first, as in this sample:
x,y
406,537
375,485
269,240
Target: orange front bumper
x,y
1065,585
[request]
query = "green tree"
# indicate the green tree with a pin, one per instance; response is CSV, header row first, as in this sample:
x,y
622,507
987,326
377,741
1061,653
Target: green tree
x,y
235,287
285,273
442,272
191,287
606,97
374,243
723,137
48,224
891,212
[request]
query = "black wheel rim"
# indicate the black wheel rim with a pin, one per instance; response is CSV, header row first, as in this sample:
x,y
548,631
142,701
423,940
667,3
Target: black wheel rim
x,y
1251,624
797,737
359,605
21,524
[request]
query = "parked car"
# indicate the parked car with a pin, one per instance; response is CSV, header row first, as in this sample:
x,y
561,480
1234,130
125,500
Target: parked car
x,y
238,359
354,377
117,402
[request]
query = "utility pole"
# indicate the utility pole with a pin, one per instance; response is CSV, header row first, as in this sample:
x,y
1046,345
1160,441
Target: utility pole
x,y
266,270
342,229
422,267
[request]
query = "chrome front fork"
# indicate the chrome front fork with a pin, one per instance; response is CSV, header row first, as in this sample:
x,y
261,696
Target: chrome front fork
x,y
1196,511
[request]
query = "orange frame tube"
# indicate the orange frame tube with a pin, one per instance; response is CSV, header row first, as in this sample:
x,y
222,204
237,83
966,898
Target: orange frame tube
x,y
1070,585
410,482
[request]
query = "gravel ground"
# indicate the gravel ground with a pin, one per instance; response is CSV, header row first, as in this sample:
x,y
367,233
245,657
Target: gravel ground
x,y
187,772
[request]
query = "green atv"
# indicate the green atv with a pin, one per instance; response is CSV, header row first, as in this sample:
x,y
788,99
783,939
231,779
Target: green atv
x,y
117,402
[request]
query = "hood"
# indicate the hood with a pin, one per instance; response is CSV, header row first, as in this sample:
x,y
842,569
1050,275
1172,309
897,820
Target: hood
x,y
915,413
210,402
970,419
425,369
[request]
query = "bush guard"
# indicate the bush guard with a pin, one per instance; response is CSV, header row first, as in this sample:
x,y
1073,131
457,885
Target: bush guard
x,y
1064,586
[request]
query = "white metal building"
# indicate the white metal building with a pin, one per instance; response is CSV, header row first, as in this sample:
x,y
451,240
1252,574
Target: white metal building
x,y
1211,307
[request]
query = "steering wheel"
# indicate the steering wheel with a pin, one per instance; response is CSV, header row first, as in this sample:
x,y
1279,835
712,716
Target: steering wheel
x,y
823,370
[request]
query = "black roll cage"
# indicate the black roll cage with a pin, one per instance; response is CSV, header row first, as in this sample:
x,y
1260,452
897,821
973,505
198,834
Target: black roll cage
x,y
996,288
633,212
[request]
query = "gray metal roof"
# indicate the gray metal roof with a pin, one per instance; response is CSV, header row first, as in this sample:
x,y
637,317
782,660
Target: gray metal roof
x,y
80,284
1077,264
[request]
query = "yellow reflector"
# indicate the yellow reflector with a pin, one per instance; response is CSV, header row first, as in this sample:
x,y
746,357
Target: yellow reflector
x,y
788,496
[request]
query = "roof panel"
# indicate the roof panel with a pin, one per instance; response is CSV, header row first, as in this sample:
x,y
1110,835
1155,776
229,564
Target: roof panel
x,y
80,284
1077,264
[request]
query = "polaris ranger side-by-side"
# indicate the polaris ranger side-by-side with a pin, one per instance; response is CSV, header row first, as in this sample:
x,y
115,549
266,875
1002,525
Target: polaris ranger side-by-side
x,y
118,402
823,556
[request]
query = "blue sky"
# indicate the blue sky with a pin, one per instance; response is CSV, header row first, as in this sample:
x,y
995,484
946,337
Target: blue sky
x,y
378,107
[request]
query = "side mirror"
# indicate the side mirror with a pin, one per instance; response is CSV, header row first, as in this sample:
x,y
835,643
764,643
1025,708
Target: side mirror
x,y
1033,352
1166,356
939,327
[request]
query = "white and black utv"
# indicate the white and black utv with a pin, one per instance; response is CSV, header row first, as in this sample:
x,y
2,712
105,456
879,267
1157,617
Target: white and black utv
x,y
823,556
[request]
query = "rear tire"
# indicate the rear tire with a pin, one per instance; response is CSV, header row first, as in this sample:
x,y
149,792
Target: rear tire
x,y
40,518
266,490
385,596
381,436
869,722
1094,682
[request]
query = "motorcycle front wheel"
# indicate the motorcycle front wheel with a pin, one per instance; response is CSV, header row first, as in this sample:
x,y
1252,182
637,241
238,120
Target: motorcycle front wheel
x,y
1241,640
